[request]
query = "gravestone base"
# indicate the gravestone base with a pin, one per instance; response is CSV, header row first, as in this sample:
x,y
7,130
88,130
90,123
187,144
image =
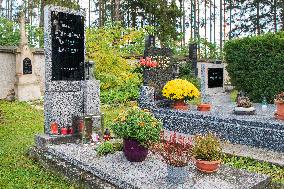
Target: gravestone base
x,y
44,140
80,163
27,88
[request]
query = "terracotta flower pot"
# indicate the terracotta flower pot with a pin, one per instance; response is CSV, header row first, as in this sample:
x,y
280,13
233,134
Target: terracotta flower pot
x,y
180,105
279,110
134,151
204,107
207,166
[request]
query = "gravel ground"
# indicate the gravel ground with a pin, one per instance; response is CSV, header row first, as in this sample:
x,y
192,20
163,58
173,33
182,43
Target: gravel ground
x,y
152,173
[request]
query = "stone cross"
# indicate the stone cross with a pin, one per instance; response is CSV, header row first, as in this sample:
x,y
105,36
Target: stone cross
x,y
24,39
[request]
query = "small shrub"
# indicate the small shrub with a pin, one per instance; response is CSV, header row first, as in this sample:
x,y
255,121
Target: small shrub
x,y
244,102
105,148
207,147
176,151
280,97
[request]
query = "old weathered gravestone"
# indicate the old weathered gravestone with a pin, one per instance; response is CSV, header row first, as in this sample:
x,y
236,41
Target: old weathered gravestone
x,y
26,85
67,93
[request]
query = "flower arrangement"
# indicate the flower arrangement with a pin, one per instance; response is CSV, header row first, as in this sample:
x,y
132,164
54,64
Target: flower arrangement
x,y
280,98
148,63
179,89
176,151
207,147
137,124
244,102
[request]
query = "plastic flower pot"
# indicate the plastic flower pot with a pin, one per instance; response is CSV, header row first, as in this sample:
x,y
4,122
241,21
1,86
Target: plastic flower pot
x,y
180,105
204,107
207,166
134,151
279,110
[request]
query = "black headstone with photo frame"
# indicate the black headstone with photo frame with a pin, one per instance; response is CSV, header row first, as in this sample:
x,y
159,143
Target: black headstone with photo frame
x,y
27,66
215,77
67,32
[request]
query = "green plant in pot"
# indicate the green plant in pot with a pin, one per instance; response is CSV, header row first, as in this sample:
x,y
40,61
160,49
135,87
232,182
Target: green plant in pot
x,y
279,101
207,152
244,106
138,128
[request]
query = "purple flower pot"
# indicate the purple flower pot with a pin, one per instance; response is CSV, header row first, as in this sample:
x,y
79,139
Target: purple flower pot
x,y
134,151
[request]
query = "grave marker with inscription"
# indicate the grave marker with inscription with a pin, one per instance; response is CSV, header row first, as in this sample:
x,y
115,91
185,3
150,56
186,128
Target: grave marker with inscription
x,y
67,93
27,66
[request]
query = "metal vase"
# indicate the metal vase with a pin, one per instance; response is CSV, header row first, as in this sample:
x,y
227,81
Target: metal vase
x,y
176,174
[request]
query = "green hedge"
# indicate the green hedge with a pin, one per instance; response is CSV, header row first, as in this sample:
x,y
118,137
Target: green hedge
x,y
256,65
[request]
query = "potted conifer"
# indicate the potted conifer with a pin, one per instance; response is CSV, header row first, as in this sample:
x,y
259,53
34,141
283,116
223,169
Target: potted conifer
x,y
206,153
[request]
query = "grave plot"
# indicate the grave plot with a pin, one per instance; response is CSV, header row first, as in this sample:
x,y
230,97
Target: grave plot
x,y
80,162
261,130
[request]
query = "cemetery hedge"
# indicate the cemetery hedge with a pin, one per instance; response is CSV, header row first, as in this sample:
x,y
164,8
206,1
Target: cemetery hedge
x,y
256,65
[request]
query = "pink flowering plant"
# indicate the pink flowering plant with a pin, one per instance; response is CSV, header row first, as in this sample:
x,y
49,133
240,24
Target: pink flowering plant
x,y
148,63
174,150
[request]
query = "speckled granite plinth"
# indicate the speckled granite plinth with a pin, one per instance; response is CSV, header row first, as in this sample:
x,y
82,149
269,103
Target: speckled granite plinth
x,y
67,95
147,96
245,130
261,130
44,140
91,90
114,171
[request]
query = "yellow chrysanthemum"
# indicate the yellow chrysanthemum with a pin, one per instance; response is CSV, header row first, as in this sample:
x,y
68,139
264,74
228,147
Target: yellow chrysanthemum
x,y
179,89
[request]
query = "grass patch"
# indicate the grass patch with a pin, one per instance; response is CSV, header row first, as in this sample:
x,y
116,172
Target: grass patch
x,y
251,165
20,122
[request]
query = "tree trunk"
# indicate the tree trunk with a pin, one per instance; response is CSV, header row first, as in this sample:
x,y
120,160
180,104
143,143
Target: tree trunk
x,y
100,13
258,18
41,19
117,12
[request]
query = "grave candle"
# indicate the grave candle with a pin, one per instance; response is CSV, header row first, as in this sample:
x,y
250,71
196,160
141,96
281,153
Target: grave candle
x,y
64,131
54,128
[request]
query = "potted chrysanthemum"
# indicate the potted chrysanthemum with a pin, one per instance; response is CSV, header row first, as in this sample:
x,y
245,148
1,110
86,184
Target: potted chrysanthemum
x,y
180,90
138,128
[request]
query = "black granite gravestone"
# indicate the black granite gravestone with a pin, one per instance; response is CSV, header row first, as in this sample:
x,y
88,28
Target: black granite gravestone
x,y
67,33
27,66
215,77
